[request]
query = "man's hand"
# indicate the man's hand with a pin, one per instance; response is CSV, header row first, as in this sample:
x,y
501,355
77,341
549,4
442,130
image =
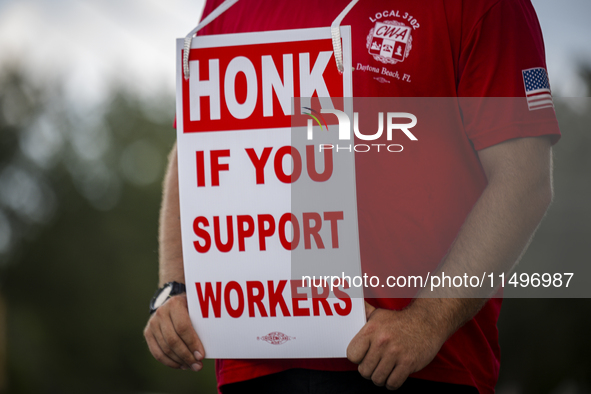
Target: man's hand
x,y
394,344
171,337
169,332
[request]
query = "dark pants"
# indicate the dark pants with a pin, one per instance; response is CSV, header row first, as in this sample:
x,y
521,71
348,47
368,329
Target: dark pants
x,y
302,381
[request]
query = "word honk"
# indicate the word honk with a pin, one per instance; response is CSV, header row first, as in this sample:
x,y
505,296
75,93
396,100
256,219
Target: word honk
x,y
310,80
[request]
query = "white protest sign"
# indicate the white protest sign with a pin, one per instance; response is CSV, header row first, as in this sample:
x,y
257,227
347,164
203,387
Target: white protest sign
x,y
257,196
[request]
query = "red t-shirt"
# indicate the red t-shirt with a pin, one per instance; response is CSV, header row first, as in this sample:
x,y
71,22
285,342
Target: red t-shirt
x,y
458,48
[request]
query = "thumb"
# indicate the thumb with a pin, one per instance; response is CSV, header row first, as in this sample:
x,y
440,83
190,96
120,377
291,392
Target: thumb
x,y
368,310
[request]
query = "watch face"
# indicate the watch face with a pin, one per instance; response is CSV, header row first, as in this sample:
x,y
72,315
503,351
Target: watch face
x,y
163,296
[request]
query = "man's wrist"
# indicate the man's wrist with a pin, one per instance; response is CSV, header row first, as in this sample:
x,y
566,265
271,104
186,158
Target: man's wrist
x,y
167,291
444,316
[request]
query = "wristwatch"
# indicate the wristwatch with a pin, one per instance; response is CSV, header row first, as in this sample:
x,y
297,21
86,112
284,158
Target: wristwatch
x,y
164,293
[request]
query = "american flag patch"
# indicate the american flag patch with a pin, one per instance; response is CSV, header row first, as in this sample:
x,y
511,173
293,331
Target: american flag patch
x,y
537,88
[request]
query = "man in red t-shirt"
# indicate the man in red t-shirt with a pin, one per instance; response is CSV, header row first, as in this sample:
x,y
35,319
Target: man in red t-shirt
x,y
472,193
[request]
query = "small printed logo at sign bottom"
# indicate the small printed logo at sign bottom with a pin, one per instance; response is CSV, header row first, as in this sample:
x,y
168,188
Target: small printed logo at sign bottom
x,y
275,338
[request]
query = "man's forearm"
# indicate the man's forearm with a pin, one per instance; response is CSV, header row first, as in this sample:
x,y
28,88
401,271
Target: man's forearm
x,y
171,338
496,232
394,344
170,250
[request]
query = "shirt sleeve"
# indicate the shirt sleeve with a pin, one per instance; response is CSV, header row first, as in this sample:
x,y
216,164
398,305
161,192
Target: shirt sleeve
x,y
503,84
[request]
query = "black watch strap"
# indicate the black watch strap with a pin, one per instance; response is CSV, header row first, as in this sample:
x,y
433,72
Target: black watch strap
x,y
177,288
170,289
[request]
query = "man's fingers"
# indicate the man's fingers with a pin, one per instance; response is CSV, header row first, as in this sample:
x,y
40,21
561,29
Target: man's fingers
x,y
166,348
384,369
358,347
184,328
397,378
158,353
176,343
387,351
179,315
370,361
154,331
190,349
171,337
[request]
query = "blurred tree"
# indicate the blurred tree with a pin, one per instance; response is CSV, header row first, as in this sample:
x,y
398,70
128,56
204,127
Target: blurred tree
x,y
585,74
79,201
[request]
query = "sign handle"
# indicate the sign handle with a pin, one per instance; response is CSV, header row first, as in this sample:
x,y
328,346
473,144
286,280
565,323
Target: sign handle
x,y
208,19
335,31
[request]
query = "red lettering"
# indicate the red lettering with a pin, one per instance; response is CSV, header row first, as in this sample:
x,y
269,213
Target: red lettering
x,y
209,298
237,312
297,164
311,164
200,163
333,217
201,233
255,299
259,163
320,298
312,231
267,226
296,231
265,232
218,239
216,166
244,232
276,297
296,298
342,296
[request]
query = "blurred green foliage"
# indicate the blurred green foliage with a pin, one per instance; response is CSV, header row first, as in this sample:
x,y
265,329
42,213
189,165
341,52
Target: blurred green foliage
x,y
79,199
545,343
77,277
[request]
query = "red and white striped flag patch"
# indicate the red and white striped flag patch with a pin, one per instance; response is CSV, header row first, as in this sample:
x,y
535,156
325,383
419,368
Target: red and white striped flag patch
x,y
537,88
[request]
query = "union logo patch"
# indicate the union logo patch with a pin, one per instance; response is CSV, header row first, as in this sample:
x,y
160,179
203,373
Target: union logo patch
x,y
389,42
275,338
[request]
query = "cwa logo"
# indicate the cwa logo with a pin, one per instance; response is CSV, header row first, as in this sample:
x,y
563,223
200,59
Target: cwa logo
x,y
389,42
345,129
